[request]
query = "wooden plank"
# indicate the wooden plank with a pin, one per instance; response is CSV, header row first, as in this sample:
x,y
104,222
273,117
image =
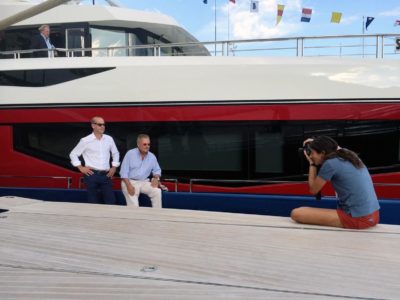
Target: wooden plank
x,y
66,250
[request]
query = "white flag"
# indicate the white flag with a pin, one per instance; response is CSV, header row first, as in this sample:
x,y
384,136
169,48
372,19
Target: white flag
x,y
254,6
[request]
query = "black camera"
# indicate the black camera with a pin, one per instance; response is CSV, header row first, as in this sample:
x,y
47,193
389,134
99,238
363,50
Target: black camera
x,y
306,148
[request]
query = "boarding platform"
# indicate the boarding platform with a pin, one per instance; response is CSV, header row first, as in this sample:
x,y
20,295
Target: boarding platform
x,y
59,250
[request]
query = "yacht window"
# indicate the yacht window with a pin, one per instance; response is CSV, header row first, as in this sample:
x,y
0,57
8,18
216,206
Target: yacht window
x,y
103,38
268,151
75,40
136,39
40,78
201,148
247,150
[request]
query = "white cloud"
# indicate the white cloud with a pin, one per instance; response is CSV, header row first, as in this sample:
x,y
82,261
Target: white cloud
x,y
246,24
391,13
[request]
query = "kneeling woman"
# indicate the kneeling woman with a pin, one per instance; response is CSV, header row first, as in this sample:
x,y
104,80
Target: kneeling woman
x,y
358,207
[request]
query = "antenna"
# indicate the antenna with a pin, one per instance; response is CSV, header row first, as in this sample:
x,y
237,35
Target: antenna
x,y
115,3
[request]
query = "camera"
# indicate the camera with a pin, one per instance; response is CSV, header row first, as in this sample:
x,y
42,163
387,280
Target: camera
x,y
306,148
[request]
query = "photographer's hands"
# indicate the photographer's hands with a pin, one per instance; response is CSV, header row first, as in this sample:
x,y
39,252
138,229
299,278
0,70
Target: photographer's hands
x,y
309,140
315,183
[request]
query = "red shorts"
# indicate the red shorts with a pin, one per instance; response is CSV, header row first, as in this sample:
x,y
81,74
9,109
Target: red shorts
x,y
360,222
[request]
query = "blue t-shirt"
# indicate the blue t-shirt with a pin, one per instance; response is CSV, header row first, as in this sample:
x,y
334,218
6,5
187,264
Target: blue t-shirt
x,y
354,187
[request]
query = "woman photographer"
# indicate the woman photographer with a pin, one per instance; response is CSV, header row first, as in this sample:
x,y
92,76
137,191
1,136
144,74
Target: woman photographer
x,y
358,207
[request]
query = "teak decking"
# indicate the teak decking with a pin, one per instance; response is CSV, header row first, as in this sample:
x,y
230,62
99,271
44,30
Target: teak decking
x,y
52,250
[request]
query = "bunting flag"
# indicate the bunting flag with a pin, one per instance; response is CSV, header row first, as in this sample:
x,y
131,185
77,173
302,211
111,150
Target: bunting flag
x,y
281,7
369,21
397,23
254,6
336,17
306,15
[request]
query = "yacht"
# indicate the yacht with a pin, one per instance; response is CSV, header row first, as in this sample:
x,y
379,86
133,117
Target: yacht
x,y
217,122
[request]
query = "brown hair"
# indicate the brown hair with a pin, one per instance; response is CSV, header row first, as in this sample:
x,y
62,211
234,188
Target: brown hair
x,y
331,148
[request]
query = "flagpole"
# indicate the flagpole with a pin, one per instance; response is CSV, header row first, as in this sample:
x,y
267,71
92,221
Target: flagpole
x,y
215,27
363,32
229,23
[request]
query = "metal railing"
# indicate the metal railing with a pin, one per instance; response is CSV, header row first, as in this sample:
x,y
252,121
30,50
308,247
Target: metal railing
x,y
242,181
175,181
248,183
371,45
239,181
68,179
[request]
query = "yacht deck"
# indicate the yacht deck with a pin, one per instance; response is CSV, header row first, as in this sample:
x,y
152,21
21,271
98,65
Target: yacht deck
x,y
55,250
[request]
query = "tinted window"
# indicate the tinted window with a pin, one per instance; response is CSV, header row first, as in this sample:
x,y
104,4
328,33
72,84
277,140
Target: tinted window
x,y
40,78
244,150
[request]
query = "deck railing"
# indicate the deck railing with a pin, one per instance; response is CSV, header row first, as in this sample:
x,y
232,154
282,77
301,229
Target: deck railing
x,y
364,46
46,181
43,181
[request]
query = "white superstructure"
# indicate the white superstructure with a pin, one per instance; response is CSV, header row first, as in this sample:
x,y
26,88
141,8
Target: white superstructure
x,y
147,76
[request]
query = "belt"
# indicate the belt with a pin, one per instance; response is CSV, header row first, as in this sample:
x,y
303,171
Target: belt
x,y
100,171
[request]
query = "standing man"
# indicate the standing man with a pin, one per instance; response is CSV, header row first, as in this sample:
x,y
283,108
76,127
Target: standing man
x,y
42,41
136,168
95,149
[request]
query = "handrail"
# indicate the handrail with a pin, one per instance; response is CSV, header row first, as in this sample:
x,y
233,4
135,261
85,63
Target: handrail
x,y
162,180
191,181
230,47
69,179
175,181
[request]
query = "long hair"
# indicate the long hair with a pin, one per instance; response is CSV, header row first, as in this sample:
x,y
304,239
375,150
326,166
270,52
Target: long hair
x,y
330,147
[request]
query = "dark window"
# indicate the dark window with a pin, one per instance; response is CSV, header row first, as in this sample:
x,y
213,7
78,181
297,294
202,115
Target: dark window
x,y
242,150
40,78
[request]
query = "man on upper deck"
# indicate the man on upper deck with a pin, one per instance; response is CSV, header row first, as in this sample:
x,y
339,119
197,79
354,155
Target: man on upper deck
x,y
42,41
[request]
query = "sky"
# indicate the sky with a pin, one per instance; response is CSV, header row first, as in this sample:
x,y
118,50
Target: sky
x,y
199,18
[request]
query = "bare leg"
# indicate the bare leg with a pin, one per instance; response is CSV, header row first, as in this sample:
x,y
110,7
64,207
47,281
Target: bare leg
x,y
316,216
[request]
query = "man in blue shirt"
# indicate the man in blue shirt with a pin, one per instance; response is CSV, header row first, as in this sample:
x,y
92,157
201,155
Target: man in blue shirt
x,y
138,164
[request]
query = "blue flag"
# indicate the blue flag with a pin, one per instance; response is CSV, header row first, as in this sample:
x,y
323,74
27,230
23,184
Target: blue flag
x,y
205,1
369,21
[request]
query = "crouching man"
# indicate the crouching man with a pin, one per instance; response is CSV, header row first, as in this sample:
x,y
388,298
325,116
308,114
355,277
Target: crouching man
x,y
137,166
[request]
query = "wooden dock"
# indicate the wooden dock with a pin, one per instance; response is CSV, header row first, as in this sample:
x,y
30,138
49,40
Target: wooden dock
x,y
52,250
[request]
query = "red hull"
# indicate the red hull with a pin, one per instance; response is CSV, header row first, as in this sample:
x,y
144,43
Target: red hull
x,y
17,164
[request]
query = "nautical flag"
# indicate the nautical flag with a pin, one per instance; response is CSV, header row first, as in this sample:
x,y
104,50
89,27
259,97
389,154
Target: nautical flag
x,y
281,7
397,23
306,15
336,16
369,21
254,6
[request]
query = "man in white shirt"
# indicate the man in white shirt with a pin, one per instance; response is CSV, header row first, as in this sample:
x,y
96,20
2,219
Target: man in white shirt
x,y
95,149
